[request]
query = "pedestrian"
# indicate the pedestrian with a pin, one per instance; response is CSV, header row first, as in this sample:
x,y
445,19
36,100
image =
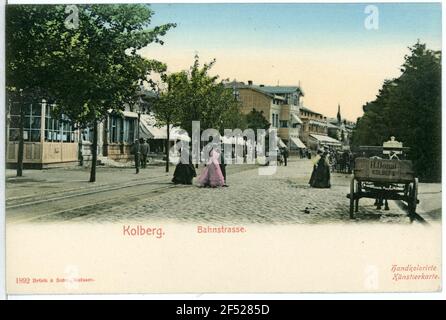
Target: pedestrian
x,y
350,162
285,155
135,151
184,171
223,165
212,175
320,177
144,150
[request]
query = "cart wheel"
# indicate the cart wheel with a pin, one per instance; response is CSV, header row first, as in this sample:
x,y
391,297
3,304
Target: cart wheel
x,y
352,198
358,189
407,189
413,197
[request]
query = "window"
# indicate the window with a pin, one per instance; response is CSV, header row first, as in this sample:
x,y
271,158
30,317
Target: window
x,y
113,129
31,123
121,129
87,134
130,129
58,130
283,124
14,122
274,120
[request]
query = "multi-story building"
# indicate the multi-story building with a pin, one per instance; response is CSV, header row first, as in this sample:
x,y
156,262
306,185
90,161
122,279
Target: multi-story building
x,y
279,105
314,130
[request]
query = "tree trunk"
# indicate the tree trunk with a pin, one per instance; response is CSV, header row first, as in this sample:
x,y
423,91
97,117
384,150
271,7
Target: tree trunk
x,y
79,150
105,138
137,151
167,145
8,121
21,140
94,152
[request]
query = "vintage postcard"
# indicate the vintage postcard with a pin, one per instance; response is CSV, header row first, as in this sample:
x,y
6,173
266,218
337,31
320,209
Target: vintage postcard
x,y
223,147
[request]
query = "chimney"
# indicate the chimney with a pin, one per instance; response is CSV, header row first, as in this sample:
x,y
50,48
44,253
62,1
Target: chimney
x,y
249,82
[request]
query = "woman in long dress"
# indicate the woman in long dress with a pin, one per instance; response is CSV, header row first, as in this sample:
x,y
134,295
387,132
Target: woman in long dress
x,y
184,172
320,177
212,175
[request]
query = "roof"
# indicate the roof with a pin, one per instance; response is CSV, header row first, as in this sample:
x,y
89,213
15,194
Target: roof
x,y
333,126
278,89
302,108
268,90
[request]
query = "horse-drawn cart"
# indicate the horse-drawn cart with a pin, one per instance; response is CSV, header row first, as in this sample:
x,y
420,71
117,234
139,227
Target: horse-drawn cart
x,y
382,180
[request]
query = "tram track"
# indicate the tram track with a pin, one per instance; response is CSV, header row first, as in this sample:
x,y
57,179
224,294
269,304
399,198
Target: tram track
x,y
71,193
88,201
92,208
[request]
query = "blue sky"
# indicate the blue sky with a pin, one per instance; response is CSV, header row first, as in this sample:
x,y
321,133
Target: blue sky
x,y
325,47
284,25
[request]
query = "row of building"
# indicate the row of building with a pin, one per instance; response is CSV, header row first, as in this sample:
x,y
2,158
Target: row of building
x,y
49,141
298,126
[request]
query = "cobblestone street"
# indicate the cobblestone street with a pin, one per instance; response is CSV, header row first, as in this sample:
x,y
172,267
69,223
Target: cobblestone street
x,y
282,198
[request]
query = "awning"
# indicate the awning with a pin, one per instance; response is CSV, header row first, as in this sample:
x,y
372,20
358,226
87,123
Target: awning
x,y
298,143
296,118
326,140
281,143
149,130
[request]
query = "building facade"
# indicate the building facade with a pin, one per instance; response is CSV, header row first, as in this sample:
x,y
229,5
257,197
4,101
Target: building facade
x,y
279,105
47,140
57,142
315,130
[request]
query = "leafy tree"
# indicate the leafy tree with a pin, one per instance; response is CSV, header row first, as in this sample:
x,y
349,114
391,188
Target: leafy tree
x,y
256,120
194,95
31,32
204,98
409,108
95,67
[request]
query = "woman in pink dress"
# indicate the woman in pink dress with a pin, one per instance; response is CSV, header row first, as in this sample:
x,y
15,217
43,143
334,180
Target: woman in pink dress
x,y
212,175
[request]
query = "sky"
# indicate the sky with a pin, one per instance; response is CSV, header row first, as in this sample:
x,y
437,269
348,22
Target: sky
x,y
326,48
